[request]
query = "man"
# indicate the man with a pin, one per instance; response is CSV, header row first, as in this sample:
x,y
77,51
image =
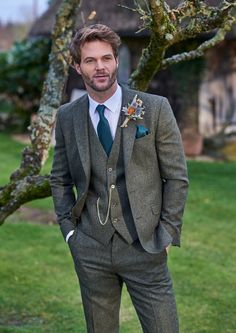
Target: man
x,y
131,183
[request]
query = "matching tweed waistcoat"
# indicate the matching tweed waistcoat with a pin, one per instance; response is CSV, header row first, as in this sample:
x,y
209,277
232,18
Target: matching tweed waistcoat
x,y
107,179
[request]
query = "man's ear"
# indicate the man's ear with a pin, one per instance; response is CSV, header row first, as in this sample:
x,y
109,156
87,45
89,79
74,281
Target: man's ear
x,y
77,68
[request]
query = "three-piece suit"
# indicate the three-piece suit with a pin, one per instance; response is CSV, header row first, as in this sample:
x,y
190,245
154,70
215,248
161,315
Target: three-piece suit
x,y
143,184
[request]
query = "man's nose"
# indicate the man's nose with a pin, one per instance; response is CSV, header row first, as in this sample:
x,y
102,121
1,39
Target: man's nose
x,y
99,65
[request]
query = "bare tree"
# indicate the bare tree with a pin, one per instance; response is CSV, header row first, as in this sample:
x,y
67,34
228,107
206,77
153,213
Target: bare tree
x,y
167,27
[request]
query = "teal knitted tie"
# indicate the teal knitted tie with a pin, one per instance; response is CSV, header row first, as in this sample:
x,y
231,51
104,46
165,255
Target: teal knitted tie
x,y
103,130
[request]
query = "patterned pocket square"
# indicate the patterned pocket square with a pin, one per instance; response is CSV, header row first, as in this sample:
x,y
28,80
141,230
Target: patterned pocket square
x,y
141,131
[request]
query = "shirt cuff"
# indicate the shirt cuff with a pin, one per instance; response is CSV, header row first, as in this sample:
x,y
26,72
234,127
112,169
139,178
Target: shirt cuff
x,y
69,235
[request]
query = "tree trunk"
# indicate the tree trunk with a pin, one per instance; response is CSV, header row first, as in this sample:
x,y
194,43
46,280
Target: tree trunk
x,y
25,183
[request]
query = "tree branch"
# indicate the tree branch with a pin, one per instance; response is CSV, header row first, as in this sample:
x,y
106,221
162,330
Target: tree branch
x,y
148,65
56,78
168,28
159,14
25,184
189,8
199,52
17,193
206,19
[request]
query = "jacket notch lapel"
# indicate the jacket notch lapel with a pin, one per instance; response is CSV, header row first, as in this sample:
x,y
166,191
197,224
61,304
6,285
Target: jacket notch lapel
x,y
128,142
80,121
129,131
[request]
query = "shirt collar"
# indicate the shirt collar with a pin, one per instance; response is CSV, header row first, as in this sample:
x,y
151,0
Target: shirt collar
x,y
113,103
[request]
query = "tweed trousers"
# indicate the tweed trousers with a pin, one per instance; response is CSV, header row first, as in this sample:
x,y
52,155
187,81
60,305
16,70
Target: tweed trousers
x,y
102,270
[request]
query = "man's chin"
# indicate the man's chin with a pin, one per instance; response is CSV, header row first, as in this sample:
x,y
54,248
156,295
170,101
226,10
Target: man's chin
x,y
102,87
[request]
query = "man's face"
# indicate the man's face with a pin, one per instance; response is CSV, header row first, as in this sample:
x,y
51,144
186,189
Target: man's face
x,y
98,66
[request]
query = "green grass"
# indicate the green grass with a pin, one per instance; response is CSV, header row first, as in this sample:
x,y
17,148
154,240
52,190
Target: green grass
x,y
39,289
10,154
204,270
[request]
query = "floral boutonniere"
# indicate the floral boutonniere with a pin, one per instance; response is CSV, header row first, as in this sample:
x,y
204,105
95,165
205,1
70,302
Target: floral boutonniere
x,y
134,111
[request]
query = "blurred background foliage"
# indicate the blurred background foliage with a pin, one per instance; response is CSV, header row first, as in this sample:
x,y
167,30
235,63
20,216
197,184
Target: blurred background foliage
x,y
22,71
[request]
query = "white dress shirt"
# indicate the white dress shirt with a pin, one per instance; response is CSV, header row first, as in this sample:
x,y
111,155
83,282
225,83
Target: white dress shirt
x,y
112,110
112,113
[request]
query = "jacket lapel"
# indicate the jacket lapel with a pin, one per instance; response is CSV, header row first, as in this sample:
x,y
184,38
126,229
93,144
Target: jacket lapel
x,y
129,131
80,121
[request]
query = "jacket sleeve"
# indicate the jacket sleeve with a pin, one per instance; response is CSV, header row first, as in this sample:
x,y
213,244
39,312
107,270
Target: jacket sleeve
x,y
61,182
173,171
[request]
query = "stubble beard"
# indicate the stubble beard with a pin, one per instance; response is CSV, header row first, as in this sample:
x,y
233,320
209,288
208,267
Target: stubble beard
x,y
90,82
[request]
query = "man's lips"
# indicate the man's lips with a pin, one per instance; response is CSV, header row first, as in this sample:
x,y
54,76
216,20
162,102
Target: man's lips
x,y
101,76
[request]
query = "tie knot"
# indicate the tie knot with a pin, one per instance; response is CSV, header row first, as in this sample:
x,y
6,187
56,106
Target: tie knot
x,y
100,109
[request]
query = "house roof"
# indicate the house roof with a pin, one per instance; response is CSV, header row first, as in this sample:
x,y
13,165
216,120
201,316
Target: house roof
x,y
110,12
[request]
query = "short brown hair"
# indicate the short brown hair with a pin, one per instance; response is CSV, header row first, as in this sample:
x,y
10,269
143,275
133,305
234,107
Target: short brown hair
x,y
91,33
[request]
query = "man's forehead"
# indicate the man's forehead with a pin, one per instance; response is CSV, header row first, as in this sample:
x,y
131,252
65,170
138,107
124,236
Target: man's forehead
x,y
96,46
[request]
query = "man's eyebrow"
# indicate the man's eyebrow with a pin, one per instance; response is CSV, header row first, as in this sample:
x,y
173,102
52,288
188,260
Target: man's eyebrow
x,y
105,55
89,58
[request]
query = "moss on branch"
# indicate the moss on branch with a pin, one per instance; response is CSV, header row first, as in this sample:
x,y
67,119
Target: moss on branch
x,y
18,192
199,51
167,28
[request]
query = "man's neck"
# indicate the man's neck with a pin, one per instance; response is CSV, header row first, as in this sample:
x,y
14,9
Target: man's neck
x,y
102,96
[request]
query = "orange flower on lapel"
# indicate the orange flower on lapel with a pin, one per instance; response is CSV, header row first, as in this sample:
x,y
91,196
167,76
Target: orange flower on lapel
x,y
130,110
134,111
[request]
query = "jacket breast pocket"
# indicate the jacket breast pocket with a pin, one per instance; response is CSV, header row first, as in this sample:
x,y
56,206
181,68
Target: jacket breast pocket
x,y
145,138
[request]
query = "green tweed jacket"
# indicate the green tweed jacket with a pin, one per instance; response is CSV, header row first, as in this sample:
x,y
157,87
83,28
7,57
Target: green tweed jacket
x,y
155,169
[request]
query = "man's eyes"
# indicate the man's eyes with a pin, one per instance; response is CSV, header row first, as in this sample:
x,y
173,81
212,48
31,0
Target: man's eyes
x,y
107,58
88,61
